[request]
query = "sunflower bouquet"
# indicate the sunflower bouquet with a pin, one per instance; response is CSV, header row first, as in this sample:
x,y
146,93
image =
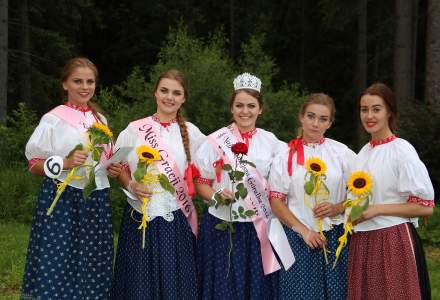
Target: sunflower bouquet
x,y
147,174
99,137
239,190
316,191
359,185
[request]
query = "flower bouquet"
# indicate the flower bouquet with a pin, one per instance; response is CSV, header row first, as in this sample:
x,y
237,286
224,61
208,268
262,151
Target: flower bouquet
x,y
316,191
147,174
99,137
359,185
239,190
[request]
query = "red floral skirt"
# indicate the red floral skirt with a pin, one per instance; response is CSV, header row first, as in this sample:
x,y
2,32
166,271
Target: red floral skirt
x,y
383,264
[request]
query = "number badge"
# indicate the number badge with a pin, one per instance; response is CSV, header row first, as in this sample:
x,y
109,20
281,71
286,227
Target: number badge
x,y
53,166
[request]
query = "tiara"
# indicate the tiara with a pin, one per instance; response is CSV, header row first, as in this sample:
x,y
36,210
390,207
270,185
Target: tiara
x,y
247,81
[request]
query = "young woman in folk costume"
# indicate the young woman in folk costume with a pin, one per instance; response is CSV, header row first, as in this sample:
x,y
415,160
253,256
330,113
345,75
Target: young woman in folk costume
x,y
165,268
386,258
311,211
70,250
238,264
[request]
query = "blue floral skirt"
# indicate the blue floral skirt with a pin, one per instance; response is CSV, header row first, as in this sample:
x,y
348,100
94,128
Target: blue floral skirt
x,y
310,277
70,252
164,269
246,279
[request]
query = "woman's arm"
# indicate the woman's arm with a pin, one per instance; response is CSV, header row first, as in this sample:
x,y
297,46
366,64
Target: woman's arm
x,y
405,210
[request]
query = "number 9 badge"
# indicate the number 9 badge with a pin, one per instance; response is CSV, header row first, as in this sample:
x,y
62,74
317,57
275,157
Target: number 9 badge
x,y
53,166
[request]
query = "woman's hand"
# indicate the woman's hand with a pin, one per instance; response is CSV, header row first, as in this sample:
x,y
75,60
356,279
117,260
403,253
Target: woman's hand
x,y
140,190
327,209
313,239
114,170
77,158
226,194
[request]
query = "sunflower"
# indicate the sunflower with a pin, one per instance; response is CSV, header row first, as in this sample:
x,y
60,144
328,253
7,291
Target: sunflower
x,y
147,154
316,166
360,183
102,128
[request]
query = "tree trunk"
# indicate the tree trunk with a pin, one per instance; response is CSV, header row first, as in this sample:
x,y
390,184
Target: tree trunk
x,y
432,80
232,30
403,49
25,63
361,60
3,60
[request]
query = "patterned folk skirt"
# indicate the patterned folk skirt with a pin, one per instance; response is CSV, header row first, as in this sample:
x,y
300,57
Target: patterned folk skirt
x,y
164,269
310,277
70,252
387,264
246,279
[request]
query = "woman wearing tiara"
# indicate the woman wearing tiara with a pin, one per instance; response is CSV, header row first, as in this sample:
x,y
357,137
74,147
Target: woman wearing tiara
x,y
311,209
235,258
164,266
386,257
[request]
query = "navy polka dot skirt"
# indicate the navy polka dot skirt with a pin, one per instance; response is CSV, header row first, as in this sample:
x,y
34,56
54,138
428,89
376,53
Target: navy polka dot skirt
x,y
70,252
309,277
164,269
246,279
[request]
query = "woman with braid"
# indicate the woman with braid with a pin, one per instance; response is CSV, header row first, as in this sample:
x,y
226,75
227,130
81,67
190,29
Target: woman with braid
x,y
165,268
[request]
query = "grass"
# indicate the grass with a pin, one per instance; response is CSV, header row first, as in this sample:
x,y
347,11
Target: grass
x,y
13,246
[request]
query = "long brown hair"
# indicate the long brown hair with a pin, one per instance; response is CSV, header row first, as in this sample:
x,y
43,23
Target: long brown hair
x,y
80,62
179,77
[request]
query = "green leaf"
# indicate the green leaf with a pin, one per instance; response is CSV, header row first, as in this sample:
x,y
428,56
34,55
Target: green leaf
x,y
90,186
356,212
240,209
309,187
249,213
96,154
77,147
231,226
221,226
218,198
237,195
243,192
165,183
227,167
234,213
250,163
139,174
238,175
211,203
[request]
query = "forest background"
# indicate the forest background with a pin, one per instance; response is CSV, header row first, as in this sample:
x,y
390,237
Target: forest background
x,y
295,46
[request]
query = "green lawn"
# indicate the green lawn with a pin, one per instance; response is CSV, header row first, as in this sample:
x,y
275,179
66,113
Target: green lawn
x,y
13,246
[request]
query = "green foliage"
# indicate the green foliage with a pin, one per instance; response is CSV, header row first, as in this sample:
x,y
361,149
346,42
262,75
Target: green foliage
x,y
18,191
430,232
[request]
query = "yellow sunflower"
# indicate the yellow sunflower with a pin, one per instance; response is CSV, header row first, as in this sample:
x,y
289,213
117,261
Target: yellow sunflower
x,y
103,128
360,183
316,166
147,154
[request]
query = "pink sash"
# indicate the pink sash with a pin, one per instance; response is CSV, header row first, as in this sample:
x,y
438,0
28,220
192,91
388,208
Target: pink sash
x,y
167,166
257,199
71,116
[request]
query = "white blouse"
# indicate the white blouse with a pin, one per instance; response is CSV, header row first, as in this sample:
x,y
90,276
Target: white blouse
x,y
398,176
54,136
338,159
163,203
262,149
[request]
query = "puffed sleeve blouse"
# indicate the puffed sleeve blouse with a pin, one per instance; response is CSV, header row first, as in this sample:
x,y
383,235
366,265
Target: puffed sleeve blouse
x,y
263,147
163,203
399,176
54,136
338,159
